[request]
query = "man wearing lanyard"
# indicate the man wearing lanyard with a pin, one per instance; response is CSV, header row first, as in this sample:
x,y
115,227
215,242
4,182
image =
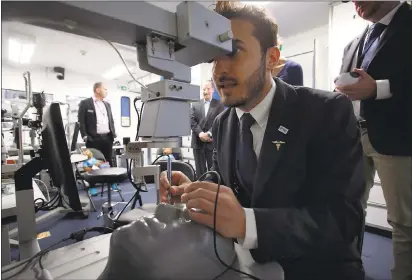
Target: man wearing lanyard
x,y
96,122
383,105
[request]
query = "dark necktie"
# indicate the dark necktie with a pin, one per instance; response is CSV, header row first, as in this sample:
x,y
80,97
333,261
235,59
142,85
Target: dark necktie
x,y
246,158
376,31
371,43
368,51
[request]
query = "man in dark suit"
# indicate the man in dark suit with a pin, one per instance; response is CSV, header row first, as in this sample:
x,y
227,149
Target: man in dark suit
x,y
202,116
382,99
289,159
96,122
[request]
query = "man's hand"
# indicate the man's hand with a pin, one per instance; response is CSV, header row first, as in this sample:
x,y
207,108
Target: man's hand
x,y
179,182
204,137
365,88
230,216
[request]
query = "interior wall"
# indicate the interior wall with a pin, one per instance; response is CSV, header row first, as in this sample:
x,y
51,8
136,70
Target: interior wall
x,y
73,85
304,42
345,25
300,43
76,84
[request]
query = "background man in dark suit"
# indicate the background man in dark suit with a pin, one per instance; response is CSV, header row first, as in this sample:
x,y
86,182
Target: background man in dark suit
x,y
96,122
202,117
290,160
383,105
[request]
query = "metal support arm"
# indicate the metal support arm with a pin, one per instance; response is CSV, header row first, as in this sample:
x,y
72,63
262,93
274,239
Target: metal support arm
x,y
176,41
26,216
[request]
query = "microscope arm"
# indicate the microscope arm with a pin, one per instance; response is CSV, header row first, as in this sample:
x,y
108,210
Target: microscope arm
x,y
169,43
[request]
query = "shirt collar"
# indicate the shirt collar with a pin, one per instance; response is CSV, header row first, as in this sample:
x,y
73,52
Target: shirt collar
x,y
261,111
95,99
386,20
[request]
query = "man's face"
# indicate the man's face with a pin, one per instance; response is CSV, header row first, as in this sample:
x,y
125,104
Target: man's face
x,y
367,9
240,78
102,91
208,91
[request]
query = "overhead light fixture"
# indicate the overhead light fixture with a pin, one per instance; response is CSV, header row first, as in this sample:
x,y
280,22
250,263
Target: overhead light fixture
x,y
21,48
115,72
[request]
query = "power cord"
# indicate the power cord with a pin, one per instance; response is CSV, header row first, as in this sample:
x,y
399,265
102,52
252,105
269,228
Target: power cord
x,y
54,203
78,236
228,267
139,116
139,189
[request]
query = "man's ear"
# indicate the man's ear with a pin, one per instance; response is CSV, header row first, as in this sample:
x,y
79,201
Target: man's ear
x,y
272,58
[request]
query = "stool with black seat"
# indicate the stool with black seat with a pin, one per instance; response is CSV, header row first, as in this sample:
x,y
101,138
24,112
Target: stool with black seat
x,y
99,156
106,176
136,213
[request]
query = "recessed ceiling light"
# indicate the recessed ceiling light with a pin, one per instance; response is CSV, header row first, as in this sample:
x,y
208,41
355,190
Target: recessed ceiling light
x,y
21,50
116,72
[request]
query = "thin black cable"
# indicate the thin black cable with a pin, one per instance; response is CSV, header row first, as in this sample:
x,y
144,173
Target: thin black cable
x,y
138,117
229,267
78,235
124,208
159,157
140,121
28,261
129,174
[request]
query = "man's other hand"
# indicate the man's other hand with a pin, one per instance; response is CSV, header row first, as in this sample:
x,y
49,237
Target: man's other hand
x,y
204,137
177,186
365,88
230,216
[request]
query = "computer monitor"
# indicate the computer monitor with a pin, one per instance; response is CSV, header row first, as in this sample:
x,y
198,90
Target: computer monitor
x,y
57,155
73,146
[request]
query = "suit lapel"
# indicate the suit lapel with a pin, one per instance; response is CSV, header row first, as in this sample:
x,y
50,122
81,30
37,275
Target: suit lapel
x,y
391,29
93,107
227,156
202,108
212,105
351,53
281,123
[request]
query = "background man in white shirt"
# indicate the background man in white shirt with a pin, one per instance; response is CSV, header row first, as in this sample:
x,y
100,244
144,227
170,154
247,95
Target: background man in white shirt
x,y
291,177
203,114
383,105
96,122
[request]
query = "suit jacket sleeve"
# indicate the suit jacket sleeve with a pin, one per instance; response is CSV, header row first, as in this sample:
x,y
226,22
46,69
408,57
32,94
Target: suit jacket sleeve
x,y
193,122
81,118
112,121
295,75
219,109
331,212
215,166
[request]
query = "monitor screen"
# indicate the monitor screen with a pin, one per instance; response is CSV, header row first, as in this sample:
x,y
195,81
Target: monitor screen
x,y
57,156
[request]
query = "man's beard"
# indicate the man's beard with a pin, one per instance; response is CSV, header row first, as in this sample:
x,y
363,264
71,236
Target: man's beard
x,y
254,87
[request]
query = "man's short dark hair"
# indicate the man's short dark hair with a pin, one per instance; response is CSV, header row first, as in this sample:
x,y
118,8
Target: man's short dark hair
x,y
97,85
266,29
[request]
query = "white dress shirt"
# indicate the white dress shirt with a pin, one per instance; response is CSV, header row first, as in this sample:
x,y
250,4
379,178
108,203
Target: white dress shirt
x,y
207,106
383,90
102,118
261,114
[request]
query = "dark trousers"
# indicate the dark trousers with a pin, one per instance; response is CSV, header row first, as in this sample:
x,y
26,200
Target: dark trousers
x,y
103,143
203,160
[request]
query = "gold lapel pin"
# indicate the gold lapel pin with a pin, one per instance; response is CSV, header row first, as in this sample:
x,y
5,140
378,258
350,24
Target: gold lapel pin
x,y
278,144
